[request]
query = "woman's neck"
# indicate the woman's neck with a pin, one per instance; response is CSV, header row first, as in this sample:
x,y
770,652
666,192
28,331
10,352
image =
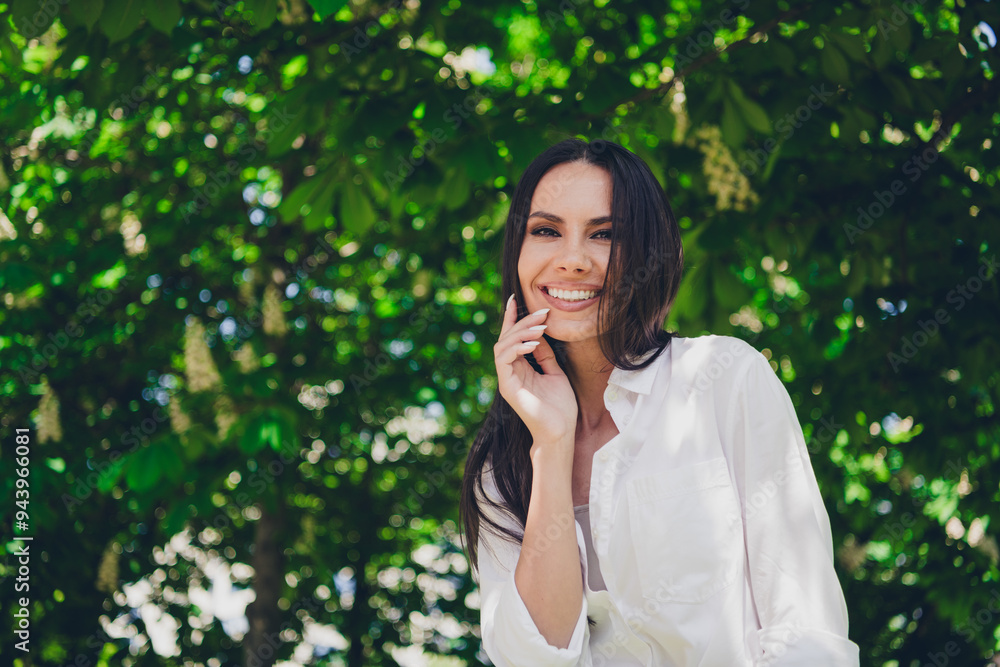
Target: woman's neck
x,y
588,372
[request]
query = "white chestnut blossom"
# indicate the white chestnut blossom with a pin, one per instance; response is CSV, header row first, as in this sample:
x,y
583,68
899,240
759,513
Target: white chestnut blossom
x,y
274,316
200,369
49,427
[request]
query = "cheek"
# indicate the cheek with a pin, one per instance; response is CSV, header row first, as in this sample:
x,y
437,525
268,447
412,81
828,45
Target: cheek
x,y
527,266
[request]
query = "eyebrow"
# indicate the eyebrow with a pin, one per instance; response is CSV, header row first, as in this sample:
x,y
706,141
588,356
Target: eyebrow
x,y
552,217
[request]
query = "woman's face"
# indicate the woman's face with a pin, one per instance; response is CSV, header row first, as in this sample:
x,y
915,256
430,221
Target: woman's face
x,y
566,248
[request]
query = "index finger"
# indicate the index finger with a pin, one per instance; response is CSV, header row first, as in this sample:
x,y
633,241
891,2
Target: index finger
x,y
509,315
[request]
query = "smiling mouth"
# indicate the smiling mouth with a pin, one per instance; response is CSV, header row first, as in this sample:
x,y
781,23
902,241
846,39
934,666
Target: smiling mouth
x,y
571,296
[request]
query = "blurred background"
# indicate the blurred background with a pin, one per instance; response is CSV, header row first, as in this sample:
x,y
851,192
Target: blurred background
x,y
249,257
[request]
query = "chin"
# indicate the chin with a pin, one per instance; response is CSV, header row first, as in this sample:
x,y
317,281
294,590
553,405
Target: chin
x,y
569,334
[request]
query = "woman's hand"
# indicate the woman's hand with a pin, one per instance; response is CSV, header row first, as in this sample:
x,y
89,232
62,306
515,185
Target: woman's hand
x,y
546,403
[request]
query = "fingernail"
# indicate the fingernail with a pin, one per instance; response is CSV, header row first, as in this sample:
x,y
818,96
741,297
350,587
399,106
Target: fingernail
x,y
509,299
538,327
532,342
541,312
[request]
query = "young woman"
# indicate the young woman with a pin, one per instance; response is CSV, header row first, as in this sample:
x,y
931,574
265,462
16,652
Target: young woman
x,y
635,498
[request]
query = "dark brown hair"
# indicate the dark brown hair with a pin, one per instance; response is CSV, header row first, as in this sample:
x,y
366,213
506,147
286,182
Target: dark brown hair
x,y
643,274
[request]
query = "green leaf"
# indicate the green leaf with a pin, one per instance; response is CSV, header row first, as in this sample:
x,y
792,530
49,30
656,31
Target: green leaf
x,y
833,64
356,212
288,438
270,434
664,123
175,519
782,54
196,441
264,12
734,132
86,11
478,164
692,294
772,160
164,15
12,56
753,113
304,192
882,51
110,476
456,189
326,7
32,18
282,139
609,87
899,33
320,207
898,89
251,440
853,45
728,291
168,456
143,469
120,18
715,93
286,120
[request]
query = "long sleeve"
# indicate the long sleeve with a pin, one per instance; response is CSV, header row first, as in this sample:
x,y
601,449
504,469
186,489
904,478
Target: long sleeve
x,y
510,637
797,595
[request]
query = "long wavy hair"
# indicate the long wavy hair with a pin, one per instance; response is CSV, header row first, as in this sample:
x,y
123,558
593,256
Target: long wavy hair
x,y
641,281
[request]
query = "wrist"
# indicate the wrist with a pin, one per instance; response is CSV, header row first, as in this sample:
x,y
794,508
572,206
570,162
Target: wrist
x,y
556,450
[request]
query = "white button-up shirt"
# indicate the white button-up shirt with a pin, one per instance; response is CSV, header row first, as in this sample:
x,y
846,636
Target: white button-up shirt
x,y
707,523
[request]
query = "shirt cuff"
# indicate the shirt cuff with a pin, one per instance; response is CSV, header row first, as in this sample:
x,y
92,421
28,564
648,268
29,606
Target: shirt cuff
x,y
786,645
518,641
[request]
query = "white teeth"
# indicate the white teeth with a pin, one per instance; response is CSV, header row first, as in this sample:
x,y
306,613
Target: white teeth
x,y
572,295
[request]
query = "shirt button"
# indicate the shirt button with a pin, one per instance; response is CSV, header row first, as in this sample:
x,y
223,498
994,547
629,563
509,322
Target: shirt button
x,y
603,456
612,394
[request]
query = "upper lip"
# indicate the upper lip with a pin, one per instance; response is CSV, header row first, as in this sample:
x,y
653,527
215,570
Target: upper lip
x,y
573,286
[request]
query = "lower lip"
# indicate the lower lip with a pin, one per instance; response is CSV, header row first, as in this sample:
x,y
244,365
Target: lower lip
x,y
570,306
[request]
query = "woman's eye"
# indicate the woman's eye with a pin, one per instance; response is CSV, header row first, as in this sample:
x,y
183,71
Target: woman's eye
x,y
541,231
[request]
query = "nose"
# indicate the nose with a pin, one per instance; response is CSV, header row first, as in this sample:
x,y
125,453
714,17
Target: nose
x,y
573,256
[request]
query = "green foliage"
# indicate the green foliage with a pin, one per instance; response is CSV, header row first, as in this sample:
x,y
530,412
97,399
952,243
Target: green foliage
x,y
323,186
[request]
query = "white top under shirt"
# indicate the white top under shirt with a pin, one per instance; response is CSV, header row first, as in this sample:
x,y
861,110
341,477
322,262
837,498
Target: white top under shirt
x,y
705,516
594,578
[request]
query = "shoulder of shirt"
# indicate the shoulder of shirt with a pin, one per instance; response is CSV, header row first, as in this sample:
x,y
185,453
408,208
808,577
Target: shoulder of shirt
x,y
720,359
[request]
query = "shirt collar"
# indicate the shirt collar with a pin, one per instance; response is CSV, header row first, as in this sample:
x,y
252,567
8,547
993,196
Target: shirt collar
x,y
638,381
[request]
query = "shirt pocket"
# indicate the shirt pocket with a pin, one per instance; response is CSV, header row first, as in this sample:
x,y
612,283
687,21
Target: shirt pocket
x,y
686,531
